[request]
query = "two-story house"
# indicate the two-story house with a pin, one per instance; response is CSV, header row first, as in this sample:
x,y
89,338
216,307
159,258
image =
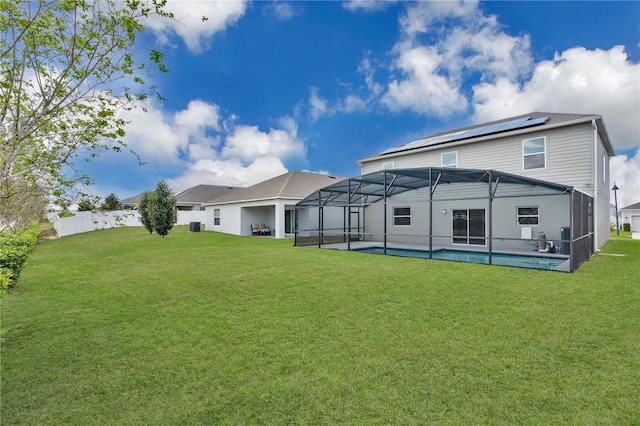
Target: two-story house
x,y
491,186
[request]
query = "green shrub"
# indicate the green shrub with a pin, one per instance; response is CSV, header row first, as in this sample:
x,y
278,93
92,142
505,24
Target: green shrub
x,y
5,280
14,252
626,227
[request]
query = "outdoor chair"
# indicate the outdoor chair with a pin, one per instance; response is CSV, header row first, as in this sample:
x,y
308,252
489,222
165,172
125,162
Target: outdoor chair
x,y
264,229
255,229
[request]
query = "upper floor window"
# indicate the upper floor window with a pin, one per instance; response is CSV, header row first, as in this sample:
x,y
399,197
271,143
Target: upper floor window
x,y
534,153
449,159
389,165
402,216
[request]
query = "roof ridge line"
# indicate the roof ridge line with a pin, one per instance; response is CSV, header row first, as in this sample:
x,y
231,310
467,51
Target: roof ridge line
x,y
286,182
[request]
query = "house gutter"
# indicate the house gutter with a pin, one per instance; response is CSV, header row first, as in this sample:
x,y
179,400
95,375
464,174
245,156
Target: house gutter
x,y
253,200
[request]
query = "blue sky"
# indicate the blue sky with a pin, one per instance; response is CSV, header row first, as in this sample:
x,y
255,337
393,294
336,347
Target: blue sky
x,y
262,88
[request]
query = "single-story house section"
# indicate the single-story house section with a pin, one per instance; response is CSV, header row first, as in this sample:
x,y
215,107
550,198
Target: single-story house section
x,y
469,215
270,203
631,215
131,203
195,197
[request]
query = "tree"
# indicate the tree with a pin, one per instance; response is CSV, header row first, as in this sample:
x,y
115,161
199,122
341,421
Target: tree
x,y
67,69
21,210
158,209
85,205
111,202
163,213
145,206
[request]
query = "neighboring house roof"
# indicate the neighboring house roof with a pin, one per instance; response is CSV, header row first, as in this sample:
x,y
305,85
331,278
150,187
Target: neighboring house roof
x,y
200,194
635,206
489,130
132,200
289,185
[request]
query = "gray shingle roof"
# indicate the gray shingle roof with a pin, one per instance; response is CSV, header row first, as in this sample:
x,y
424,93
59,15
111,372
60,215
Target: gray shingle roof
x,y
288,185
635,206
203,193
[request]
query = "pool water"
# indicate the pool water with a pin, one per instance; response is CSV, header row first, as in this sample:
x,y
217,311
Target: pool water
x,y
517,260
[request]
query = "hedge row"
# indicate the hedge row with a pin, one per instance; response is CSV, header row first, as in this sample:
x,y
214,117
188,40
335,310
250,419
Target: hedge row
x,y
14,252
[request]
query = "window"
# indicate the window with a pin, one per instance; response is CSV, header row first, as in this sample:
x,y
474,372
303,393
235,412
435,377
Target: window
x,y
216,217
389,165
449,159
402,216
534,153
469,227
528,216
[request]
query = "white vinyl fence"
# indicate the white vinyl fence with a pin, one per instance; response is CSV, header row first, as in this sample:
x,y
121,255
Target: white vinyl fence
x,y
89,221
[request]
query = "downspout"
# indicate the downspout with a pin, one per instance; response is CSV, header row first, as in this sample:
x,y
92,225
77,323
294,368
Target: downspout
x,y
349,214
319,219
490,220
384,216
571,255
430,213
596,202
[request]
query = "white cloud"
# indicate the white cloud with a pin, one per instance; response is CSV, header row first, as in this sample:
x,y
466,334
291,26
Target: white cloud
x,y
464,43
188,133
367,5
189,25
421,15
423,90
249,143
625,172
209,148
368,70
353,103
577,81
282,10
199,114
150,135
318,105
230,172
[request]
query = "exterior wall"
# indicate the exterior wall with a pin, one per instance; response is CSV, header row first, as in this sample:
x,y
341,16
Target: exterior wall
x,y
554,213
569,156
237,218
627,215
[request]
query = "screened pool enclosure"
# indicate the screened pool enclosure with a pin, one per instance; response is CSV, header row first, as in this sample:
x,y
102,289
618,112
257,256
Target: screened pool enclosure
x,y
480,216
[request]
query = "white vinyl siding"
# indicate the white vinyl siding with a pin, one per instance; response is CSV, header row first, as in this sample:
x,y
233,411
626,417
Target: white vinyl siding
x,y
569,156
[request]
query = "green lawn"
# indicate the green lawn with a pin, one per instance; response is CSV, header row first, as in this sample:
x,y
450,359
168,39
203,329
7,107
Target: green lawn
x,y
119,327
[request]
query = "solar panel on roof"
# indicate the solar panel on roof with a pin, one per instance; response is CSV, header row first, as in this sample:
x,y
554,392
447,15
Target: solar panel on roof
x,y
517,123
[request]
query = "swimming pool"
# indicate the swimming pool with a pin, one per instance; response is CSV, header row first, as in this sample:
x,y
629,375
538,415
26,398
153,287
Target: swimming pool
x,y
502,259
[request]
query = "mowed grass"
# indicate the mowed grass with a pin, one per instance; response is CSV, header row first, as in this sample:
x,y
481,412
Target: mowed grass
x,y
119,327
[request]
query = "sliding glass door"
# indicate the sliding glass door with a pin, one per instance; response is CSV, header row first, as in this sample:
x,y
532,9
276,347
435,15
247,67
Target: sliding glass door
x,y
469,227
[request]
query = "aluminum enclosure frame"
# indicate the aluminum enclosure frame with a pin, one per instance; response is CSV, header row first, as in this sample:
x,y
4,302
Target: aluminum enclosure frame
x,y
356,194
